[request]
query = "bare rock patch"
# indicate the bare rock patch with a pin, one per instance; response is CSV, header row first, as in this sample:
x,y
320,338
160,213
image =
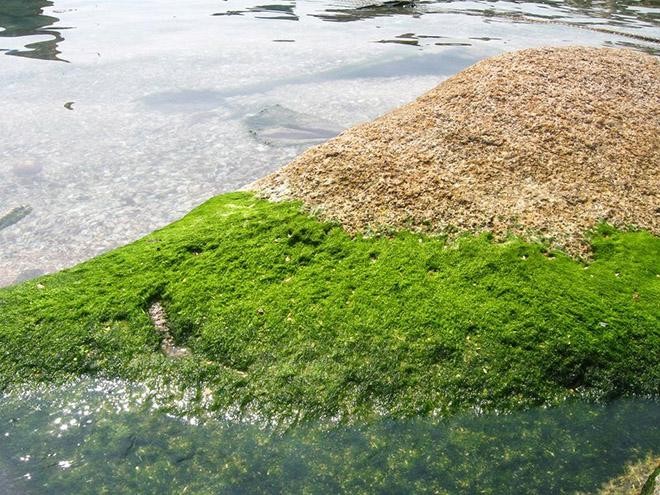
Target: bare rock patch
x,y
543,143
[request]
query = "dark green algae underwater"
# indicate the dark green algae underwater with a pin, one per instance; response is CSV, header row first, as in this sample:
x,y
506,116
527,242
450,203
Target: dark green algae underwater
x,y
290,319
74,441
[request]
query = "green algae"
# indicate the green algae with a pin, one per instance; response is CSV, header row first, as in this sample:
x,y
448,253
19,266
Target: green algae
x,y
294,317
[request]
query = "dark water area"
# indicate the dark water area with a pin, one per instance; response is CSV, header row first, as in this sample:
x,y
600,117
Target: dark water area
x,y
106,437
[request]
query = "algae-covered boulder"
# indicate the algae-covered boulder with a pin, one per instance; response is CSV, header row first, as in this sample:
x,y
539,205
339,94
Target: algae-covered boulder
x,y
290,317
542,142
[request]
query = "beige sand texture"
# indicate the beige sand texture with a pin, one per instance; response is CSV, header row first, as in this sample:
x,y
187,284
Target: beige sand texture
x,y
543,143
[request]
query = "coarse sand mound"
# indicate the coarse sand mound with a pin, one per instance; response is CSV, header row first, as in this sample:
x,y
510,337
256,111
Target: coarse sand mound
x,y
543,143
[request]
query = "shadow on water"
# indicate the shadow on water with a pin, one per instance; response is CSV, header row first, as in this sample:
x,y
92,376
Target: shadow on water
x,y
22,18
424,64
89,438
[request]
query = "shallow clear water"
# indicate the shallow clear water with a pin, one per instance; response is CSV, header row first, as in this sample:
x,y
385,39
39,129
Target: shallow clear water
x,y
107,437
119,116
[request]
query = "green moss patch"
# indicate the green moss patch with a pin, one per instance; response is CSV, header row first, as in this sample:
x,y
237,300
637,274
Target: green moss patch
x,y
293,316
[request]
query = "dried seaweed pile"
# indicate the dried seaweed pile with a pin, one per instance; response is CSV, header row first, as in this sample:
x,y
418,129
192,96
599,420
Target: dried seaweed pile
x,y
540,143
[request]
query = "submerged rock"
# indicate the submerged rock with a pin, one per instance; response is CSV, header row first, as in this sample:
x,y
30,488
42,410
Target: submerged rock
x,y
27,168
280,126
542,142
14,216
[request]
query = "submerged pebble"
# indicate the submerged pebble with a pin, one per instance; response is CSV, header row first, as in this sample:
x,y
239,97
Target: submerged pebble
x,y
27,168
14,216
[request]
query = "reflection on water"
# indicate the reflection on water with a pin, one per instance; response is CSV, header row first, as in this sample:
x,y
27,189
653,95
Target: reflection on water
x,y
616,12
25,18
104,437
356,10
625,18
283,11
644,9
339,10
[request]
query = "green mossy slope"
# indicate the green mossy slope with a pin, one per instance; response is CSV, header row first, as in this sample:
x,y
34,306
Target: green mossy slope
x,y
293,316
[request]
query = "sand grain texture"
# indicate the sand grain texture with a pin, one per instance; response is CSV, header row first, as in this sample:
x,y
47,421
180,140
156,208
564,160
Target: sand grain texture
x,y
543,143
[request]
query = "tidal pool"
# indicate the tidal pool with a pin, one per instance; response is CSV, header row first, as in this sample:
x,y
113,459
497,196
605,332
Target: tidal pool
x,y
96,436
119,116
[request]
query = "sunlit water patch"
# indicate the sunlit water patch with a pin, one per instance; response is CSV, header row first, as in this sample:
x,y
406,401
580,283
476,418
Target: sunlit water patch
x,y
111,437
119,116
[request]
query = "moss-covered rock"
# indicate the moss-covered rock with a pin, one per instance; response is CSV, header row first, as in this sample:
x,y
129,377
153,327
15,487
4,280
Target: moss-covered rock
x,y
291,315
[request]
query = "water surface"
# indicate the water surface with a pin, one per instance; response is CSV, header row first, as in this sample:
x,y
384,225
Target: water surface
x,y
97,436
